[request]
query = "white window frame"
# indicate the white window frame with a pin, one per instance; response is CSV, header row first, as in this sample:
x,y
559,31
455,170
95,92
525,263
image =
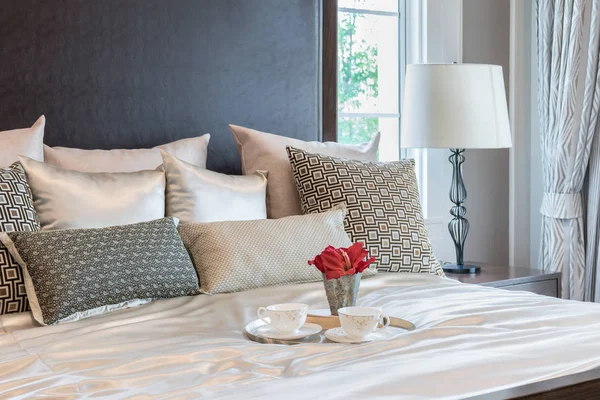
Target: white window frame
x,y
413,29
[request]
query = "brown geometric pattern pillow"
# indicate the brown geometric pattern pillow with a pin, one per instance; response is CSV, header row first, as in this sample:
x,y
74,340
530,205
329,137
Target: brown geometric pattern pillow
x,y
382,199
16,214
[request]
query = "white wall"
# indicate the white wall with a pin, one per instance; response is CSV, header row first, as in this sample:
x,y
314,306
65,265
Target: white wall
x,y
485,39
443,45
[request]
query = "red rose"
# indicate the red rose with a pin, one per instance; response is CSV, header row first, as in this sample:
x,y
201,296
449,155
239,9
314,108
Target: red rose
x,y
335,263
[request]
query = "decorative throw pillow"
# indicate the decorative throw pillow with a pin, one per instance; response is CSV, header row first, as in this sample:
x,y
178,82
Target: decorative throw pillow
x,y
384,210
192,150
27,142
72,274
266,152
16,214
198,195
71,199
243,255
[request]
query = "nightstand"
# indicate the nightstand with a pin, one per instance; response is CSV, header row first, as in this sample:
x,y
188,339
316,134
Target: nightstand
x,y
514,278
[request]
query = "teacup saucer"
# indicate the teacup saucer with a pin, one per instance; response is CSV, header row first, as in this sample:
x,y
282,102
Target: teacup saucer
x,y
339,336
266,331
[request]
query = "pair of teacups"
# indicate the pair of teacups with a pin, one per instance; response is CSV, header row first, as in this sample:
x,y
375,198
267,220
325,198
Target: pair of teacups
x,y
356,322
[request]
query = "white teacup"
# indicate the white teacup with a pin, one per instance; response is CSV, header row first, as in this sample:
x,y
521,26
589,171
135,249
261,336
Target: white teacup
x,y
358,322
287,317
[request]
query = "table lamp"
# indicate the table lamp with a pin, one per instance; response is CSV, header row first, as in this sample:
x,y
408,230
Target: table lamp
x,y
458,107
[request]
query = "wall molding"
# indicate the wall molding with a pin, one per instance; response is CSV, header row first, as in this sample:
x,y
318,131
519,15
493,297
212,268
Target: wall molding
x,y
519,104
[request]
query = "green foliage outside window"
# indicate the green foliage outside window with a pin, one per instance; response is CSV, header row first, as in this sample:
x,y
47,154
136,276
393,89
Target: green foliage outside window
x,y
357,80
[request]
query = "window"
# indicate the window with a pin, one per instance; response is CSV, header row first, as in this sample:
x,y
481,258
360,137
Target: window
x,y
373,39
370,69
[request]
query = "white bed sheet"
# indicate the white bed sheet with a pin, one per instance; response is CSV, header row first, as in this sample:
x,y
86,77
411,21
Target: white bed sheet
x,y
469,340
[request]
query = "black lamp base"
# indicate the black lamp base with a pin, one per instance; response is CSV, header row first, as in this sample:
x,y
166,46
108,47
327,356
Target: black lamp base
x,y
461,269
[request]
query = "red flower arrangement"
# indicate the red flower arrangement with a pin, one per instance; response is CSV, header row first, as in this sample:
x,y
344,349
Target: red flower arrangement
x,y
335,263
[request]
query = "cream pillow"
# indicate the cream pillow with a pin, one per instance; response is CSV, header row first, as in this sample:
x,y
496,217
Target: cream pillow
x,y
192,150
65,199
266,151
198,195
27,142
243,255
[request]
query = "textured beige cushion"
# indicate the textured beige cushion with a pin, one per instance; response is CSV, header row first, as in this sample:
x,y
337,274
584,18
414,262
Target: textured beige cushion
x,y
193,151
28,142
198,195
266,151
243,255
66,199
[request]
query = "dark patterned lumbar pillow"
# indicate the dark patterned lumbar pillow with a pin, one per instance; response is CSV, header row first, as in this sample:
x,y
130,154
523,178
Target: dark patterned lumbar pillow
x,y
77,273
382,199
16,214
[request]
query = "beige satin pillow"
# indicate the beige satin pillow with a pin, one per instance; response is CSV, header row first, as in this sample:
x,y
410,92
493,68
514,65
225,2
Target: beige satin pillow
x,y
66,199
266,152
192,150
198,195
28,142
242,255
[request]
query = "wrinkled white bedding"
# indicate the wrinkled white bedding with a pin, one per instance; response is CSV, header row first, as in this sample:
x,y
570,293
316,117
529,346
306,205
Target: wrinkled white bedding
x,y
469,340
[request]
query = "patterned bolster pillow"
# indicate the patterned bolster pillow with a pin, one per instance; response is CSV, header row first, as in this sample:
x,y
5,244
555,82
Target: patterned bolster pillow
x,y
72,274
242,255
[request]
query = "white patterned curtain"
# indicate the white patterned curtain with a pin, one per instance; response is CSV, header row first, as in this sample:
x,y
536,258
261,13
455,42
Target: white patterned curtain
x,y
568,122
592,187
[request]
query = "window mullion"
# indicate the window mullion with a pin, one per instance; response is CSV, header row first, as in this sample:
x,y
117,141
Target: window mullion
x,y
368,12
368,115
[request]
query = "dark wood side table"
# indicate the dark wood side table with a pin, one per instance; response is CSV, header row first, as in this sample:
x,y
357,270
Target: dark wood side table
x,y
514,278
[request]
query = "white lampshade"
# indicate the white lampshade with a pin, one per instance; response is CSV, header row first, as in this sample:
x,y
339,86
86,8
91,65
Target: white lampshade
x,y
461,106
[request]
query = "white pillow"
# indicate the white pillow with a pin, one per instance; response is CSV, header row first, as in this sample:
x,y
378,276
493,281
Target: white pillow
x,y
65,199
266,152
27,142
198,195
192,150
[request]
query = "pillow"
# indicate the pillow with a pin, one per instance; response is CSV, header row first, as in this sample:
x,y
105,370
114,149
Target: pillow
x,y
193,150
243,255
27,142
198,195
384,210
16,214
70,199
78,273
265,151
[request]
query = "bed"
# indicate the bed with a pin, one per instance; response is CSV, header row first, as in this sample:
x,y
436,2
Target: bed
x,y
470,340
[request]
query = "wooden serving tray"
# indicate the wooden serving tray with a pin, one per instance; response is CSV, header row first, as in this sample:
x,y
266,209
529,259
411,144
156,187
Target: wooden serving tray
x,y
318,317
332,321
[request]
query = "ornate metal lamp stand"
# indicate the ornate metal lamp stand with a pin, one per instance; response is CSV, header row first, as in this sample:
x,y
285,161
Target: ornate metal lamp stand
x,y
458,225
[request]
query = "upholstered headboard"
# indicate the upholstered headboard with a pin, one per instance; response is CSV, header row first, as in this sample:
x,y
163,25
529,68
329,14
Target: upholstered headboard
x,y
138,73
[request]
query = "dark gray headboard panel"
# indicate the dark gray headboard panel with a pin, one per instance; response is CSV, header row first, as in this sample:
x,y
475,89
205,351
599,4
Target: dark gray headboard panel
x,y
138,73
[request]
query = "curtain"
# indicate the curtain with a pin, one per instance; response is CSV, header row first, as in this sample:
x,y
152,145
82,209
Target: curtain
x,y
568,122
590,123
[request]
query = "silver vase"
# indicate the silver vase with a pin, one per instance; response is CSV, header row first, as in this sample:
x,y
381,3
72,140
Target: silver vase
x,y
341,292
